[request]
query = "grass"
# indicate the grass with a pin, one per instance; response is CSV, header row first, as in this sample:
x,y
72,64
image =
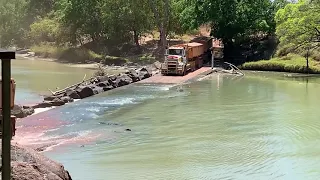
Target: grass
x,y
71,55
290,63
48,51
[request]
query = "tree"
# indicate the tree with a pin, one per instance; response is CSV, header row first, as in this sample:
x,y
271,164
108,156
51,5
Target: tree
x,y
298,25
12,31
241,24
161,7
82,16
230,20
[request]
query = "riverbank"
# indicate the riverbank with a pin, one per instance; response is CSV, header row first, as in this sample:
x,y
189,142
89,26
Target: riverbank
x,y
290,63
27,164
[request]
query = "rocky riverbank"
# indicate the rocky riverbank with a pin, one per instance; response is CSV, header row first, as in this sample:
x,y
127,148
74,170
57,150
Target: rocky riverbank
x,y
27,164
90,87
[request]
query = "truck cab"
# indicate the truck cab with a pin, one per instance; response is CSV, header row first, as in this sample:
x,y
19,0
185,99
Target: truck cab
x,y
175,61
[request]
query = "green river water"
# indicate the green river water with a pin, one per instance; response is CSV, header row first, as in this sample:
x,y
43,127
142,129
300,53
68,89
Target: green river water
x,y
262,126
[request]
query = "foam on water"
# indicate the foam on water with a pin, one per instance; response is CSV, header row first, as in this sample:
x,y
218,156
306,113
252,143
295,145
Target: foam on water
x,y
83,117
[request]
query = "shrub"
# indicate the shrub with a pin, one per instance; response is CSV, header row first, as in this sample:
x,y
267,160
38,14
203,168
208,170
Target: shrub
x,y
73,55
293,63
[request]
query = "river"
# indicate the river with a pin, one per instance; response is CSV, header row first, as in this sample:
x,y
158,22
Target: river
x,y
261,126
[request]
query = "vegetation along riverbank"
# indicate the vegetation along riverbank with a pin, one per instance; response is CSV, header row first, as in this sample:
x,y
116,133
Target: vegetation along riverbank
x,y
63,31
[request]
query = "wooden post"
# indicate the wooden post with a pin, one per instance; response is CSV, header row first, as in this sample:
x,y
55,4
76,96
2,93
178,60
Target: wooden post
x,y
212,58
307,58
6,57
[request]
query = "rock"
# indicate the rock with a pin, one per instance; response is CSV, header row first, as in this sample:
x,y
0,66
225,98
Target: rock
x,y
27,164
72,94
144,73
22,111
103,78
128,129
103,84
133,74
97,90
57,102
123,80
22,51
108,88
157,65
66,99
85,92
113,77
49,98
43,105
31,54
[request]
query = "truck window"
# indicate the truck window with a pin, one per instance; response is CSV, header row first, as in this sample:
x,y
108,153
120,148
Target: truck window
x,y
175,52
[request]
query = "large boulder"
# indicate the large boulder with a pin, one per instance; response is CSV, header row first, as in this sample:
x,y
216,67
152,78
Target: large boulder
x,y
49,98
66,99
96,89
85,92
72,94
145,73
27,164
112,77
107,88
42,105
157,65
57,102
103,84
22,111
133,74
102,78
123,80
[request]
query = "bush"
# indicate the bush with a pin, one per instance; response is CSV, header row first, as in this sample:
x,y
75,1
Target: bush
x,y
46,50
315,55
81,55
112,60
293,63
73,55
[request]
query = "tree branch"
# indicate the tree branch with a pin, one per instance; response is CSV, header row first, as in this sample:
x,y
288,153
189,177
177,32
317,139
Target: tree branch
x,y
317,30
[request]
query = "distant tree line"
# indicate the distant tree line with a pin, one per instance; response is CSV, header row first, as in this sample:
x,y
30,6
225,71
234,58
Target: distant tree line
x,y
242,25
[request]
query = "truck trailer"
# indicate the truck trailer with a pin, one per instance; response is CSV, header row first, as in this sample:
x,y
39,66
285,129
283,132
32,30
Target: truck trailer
x,y
182,58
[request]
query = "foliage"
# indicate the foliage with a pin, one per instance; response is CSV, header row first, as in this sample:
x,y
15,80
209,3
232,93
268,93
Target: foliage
x,y
289,63
230,20
47,50
242,25
65,54
12,15
298,26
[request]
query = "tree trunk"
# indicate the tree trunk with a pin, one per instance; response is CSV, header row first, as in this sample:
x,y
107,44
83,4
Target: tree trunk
x,y
163,38
136,38
162,25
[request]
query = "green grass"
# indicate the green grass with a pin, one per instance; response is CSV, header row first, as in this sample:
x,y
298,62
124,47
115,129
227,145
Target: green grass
x,y
290,63
48,51
73,55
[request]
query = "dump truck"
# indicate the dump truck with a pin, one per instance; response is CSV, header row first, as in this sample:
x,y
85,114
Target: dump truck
x,y
182,58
